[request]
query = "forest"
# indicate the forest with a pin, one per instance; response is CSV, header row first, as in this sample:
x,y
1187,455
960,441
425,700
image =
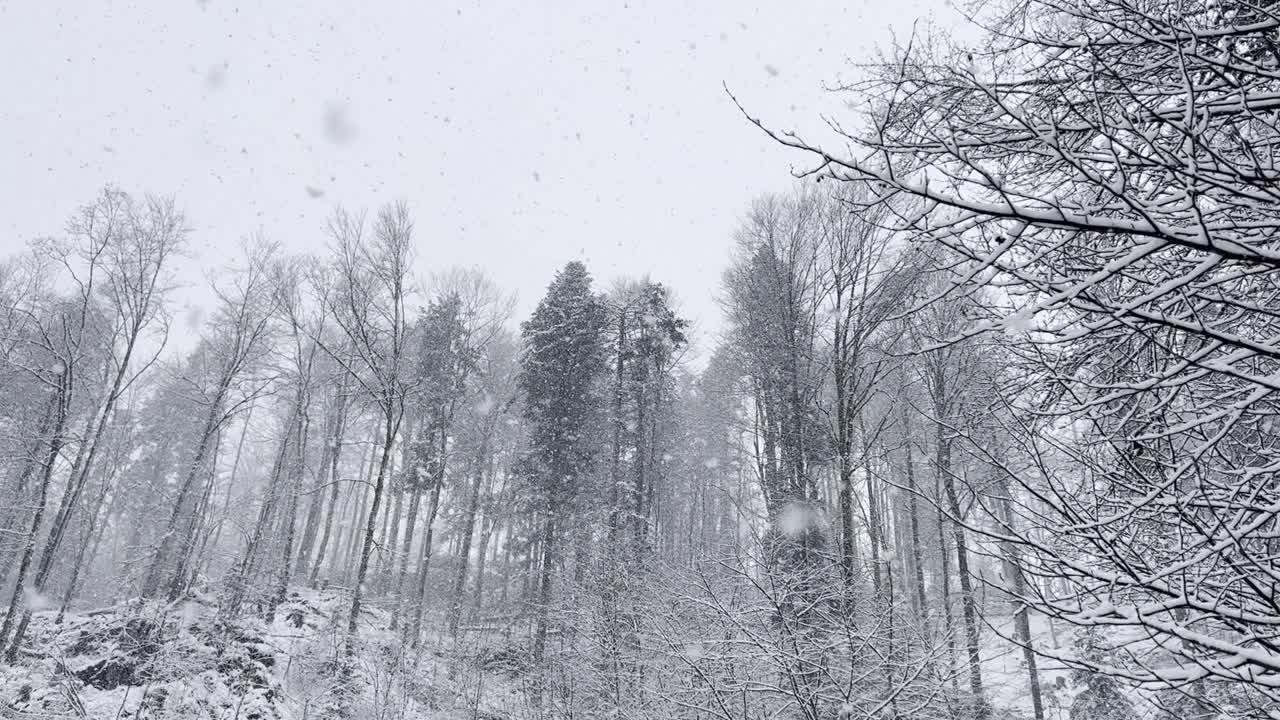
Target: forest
x,y
989,433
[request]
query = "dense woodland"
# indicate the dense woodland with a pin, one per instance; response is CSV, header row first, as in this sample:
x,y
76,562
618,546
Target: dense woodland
x,y
989,433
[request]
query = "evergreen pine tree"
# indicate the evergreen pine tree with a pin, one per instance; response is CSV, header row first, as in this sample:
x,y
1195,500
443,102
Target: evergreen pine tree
x,y
561,368
1101,698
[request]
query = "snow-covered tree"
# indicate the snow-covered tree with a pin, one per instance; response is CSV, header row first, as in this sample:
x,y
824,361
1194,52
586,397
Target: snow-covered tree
x,y
560,380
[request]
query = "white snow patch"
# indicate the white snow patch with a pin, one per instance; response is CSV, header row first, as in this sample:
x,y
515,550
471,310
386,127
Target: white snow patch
x,y
1021,322
35,601
797,518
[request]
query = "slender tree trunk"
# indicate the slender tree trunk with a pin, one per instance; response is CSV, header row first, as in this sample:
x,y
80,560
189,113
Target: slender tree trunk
x,y
338,566
892,641
239,579
1021,618
425,564
619,504
944,575
83,465
58,401
231,481
391,425
844,449
84,559
913,512
391,537
468,530
638,492
487,527
544,608
526,570
160,562
315,501
357,520
190,560
409,478
415,502
967,599
66,504
615,458
335,460
93,535
875,530
847,541
288,522
482,556
383,558
33,461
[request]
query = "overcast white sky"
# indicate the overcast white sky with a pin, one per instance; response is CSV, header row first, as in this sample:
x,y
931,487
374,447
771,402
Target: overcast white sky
x,y
522,134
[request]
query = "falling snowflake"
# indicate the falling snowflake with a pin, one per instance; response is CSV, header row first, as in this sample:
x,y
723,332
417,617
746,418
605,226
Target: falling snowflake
x,y
1021,322
34,600
337,125
216,76
798,518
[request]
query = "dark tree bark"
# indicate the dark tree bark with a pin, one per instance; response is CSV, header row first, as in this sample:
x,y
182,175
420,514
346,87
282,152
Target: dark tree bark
x,y
58,402
424,564
335,462
482,464
968,602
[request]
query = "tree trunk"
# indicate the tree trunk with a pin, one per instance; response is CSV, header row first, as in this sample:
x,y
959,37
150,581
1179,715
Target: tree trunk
x,y
944,576
913,511
844,449
288,521
231,481
1022,619
32,462
967,600
638,514
59,403
482,555
89,550
98,521
468,530
385,550
543,609
239,579
391,536
488,524
408,477
391,425
315,504
875,532
189,560
164,547
335,460
83,465
424,565
362,504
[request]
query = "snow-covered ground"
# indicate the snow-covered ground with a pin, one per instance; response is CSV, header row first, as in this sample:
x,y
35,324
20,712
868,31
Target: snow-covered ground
x,y
1005,671
150,660
147,660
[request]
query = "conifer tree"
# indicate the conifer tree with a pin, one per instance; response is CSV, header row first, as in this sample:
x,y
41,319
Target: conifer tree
x,y
561,370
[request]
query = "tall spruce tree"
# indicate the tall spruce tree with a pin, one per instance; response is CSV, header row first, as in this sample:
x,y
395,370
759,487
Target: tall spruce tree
x,y
561,371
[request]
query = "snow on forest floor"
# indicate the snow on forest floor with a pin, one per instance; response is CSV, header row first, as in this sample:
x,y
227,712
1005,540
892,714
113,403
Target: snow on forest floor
x,y
146,660
1005,671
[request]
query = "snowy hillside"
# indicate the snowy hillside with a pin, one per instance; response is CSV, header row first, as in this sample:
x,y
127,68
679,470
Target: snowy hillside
x,y
145,660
